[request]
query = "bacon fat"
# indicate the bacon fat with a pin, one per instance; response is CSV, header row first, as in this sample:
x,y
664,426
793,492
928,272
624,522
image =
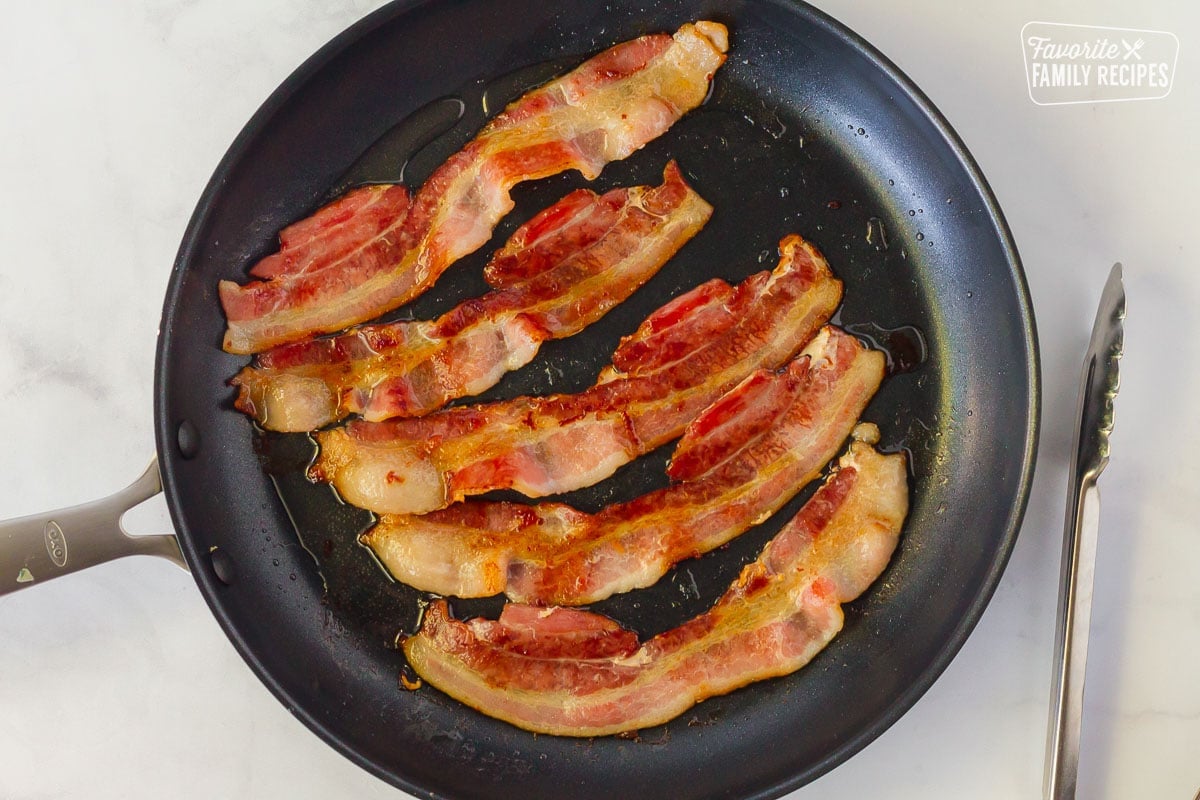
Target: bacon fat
x,y
705,342
558,273
348,264
581,675
788,425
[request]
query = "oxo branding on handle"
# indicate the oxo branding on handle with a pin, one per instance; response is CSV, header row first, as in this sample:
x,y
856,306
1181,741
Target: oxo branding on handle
x,y
56,543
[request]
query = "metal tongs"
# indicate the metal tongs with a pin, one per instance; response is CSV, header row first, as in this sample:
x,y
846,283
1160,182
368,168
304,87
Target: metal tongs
x,y
1089,457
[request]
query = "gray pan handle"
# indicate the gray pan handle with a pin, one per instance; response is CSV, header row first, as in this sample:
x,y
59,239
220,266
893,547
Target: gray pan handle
x,y
39,547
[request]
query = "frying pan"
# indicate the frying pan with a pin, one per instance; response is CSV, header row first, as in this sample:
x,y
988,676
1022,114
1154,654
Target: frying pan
x,y
808,130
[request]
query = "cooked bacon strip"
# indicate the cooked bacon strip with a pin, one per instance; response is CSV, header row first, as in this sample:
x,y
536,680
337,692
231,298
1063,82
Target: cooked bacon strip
x,y
607,108
580,675
791,423
335,231
560,272
545,445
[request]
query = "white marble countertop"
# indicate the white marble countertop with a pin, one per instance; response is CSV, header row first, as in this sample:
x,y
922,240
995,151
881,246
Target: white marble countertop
x,y
118,683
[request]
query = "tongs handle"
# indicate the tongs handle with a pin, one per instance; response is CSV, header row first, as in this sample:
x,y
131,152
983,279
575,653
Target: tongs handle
x,y
1101,380
1071,640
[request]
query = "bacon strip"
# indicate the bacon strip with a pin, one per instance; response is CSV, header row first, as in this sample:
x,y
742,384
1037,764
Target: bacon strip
x,y
716,335
582,676
560,272
603,111
789,424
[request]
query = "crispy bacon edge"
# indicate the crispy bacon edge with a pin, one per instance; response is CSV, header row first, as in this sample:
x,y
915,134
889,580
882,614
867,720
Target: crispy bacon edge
x,y
764,440
604,110
557,274
581,675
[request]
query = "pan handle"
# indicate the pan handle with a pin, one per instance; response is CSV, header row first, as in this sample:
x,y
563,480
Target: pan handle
x,y
36,548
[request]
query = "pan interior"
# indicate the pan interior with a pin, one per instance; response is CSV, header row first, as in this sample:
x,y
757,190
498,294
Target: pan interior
x,y
806,131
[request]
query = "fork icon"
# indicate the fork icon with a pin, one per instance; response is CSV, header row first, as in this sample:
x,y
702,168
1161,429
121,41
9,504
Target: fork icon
x,y
1132,49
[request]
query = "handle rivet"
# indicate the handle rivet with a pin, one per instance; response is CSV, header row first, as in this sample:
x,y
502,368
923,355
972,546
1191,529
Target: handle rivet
x,y
187,438
222,566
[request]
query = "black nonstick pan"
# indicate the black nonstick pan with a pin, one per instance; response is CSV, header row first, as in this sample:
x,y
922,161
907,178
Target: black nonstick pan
x,y
808,130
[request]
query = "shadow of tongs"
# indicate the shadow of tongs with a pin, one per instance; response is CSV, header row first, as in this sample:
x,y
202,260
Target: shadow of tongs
x,y
1089,457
